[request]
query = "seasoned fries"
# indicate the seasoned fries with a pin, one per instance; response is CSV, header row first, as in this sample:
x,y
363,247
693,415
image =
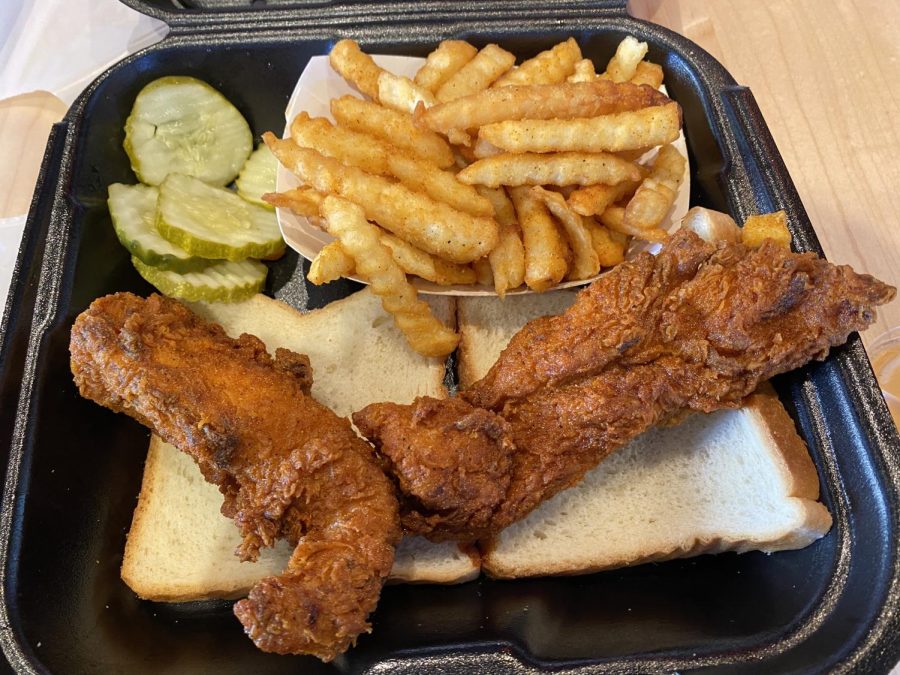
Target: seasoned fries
x,y
478,74
655,196
561,168
333,262
432,226
548,67
585,263
480,172
595,199
648,73
379,157
443,63
609,246
623,65
303,201
330,264
539,102
355,66
359,238
401,93
614,219
508,260
584,72
393,126
606,133
431,268
546,252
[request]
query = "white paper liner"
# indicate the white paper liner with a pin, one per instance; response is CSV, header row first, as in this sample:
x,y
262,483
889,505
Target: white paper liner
x,y
319,84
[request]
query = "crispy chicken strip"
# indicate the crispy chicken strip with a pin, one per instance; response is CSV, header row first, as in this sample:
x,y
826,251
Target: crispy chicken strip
x,y
695,328
287,466
446,455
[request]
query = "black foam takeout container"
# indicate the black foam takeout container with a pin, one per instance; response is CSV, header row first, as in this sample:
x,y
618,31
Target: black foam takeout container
x,y
73,469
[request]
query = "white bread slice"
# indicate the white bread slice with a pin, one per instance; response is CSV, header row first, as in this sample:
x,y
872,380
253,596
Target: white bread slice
x,y
181,547
735,480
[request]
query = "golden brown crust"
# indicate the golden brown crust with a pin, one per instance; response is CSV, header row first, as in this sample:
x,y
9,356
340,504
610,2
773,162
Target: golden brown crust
x,y
287,466
789,450
696,327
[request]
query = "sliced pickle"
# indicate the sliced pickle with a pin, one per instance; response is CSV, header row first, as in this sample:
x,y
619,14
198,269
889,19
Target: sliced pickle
x,y
219,282
183,125
258,176
133,212
211,222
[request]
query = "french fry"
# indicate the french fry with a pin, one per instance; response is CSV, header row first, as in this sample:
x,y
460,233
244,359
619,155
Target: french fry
x,y
669,165
431,268
549,67
655,196
356,67
484,149
431,226
393,126
360,239
465,156
303,201
538,102
504,211
595,199
545,250
483,272
330,264
648,73
610,246
629,54
649,205
585,262
584,72
401,93
443,63
459,137
607,133
562,168
766,226
614,219
478,74
632,155
508,257
508,260
376,156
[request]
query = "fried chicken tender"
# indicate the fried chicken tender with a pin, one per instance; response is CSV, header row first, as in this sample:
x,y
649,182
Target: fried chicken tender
x,y
453,462
287,466
695,328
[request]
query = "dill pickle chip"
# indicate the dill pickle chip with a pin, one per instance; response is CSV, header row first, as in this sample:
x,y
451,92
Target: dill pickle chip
x,y
222,281
258,176
211,222
133,212
182,125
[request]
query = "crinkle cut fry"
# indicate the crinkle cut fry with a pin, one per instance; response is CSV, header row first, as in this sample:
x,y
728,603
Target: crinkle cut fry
x,y
696,328
287,466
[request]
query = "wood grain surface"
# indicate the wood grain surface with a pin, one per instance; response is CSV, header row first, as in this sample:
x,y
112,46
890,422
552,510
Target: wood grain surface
x,y
25,123
826,76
